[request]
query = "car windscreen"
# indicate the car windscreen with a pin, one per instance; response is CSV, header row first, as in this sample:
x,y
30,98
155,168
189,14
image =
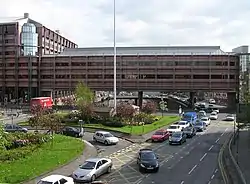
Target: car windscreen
x,y
88,165
188,129
213,113
108,135
176,135
204,119
182,123
199,124
187,116
159,133
173,127
148,156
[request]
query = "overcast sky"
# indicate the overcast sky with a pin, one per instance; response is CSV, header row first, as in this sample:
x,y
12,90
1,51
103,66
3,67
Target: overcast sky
x,y
141,22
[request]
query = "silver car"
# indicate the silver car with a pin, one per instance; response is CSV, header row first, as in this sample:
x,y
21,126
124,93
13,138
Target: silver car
x,y
92,169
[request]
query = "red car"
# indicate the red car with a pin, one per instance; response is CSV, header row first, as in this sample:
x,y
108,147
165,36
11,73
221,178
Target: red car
x,y
160,135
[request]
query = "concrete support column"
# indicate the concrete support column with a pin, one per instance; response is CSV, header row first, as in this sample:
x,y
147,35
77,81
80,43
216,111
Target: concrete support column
x,y
192,94
140,98
231,100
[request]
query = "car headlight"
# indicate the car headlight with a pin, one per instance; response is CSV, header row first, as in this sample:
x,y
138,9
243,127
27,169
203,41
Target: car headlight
x,y
88,175
157,165
142,165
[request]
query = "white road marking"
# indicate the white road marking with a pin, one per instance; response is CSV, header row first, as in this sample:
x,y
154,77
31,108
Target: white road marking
x,y
182,182
192,169
216,170
212,177
139,181
203,157
217,140
210,147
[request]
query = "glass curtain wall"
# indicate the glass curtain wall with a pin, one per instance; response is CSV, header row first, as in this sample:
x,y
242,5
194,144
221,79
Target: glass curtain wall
x,y
29,40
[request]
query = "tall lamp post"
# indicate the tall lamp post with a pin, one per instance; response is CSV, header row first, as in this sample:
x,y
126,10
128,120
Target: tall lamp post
x,y
115,104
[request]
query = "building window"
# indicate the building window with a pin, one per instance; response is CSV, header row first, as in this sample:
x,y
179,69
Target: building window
x,y
201,77
182,76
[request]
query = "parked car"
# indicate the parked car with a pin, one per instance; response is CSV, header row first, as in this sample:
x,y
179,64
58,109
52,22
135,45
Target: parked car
x,y
229,117
105,137
213,116
147,160
56,179
160,135
200,126
174,128
91,169
206,120
71,131
177,138
190,131
14,128
216,110
184,124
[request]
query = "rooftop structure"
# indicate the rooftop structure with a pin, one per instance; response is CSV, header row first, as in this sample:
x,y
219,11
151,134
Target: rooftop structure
x,y
157,50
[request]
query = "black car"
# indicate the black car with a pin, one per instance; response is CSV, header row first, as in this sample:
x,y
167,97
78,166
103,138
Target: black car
x,y
190,131
14,128
177,138
147,160
71,131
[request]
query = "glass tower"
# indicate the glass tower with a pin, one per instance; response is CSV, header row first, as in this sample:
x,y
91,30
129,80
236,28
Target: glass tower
x,y
29,40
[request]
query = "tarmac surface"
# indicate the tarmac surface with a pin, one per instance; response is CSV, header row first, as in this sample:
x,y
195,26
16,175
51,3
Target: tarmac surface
x,y
194,162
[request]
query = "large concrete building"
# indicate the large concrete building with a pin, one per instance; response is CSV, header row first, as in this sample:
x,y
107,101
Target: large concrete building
x,y
23,42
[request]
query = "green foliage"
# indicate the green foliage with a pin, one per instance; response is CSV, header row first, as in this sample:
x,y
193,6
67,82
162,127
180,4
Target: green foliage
x,y
144,117
84,95
42,159
113,122
3,138
19,145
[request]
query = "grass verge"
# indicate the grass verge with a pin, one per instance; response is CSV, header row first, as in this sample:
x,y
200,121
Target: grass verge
x,y
138,130
46,158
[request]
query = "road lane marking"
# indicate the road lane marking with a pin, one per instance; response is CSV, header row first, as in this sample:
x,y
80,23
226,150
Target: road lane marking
x,y
203,157
212,177
210,147
217,140
182,182
192,169
216,170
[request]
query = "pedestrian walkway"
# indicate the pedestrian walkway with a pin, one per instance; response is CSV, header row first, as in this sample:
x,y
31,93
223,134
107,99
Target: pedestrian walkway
x,y
68,169
243,156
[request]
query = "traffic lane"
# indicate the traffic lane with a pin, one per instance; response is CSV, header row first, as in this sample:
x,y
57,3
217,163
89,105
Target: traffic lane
x,y
124,162
125,168
104,150
185,163
207,166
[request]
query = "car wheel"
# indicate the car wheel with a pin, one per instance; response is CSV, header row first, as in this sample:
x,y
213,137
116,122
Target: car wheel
x,y
157,169
109,169
106,142
94,139
93,178
76,135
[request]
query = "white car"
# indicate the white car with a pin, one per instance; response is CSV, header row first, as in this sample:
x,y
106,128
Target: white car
x,y
183,124
206,120
174,128
212,101
216,110
229,117
105,137
56,179
213,116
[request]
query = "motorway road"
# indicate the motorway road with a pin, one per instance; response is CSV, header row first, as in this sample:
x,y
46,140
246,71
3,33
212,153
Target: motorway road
x,y
194,162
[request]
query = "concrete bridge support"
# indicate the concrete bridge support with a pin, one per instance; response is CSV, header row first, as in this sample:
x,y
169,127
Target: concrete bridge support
x,y
140,99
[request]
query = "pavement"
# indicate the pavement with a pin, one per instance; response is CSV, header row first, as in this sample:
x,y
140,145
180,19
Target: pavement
x,y
194,162
243,153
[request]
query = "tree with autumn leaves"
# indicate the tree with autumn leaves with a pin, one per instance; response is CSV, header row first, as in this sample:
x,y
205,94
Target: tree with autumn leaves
x,y
149,107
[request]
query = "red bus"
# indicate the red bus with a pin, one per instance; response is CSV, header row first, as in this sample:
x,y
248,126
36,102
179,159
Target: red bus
x,y
45,102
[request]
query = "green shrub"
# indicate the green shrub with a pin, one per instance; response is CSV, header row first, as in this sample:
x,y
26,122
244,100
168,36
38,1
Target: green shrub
x,y
16,154
113,122
146,118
